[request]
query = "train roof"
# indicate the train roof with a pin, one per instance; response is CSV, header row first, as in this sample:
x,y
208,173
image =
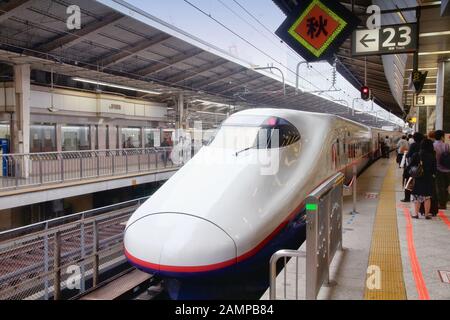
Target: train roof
x,y
284,112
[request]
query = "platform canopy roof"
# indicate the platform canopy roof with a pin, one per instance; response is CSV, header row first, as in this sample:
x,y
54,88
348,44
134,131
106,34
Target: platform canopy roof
x,y
140,51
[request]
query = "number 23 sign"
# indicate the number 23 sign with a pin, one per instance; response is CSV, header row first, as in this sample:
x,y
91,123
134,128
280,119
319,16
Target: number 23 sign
x,y
401,38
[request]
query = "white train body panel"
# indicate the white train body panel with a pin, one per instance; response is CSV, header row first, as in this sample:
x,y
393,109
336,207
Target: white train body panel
x,y
219,209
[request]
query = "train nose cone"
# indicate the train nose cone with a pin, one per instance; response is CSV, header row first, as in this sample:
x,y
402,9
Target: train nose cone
x,y
178,243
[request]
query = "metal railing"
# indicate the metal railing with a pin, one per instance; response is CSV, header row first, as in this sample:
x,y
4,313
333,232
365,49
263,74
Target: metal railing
x,y
34,169
67,254
323,238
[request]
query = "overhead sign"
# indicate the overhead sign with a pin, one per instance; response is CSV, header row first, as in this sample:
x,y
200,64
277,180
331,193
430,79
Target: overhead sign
x,y
401,38
426,100
418,80
315,29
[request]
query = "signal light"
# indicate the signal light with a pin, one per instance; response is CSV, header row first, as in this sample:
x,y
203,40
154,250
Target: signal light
x,y
365,93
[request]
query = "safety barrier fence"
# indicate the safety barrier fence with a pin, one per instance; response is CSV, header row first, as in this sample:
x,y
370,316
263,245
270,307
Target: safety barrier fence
x,y
323,239
34,169
64,256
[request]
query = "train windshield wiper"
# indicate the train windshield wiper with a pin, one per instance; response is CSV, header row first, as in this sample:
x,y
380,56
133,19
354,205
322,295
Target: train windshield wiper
x,y
246,149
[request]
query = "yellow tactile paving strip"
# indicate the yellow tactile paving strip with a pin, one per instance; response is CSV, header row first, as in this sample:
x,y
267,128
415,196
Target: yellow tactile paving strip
x,y
385,249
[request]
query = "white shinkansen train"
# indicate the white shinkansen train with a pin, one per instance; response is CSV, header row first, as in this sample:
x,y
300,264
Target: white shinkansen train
x,y
211,229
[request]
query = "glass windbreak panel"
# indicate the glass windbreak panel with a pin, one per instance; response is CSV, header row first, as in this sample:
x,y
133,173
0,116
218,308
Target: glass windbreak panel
x,y
152,138
262,132
42,138
131,138
75,138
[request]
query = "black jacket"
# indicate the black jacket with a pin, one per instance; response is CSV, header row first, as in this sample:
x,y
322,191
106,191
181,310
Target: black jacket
x,y
424,185
428,161
413,148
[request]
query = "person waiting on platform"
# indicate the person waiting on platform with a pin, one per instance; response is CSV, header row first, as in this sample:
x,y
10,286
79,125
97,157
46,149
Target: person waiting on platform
x,y
443,168
413,149
432,136
402,148
166,152
410,139
382,148
387,146
423,183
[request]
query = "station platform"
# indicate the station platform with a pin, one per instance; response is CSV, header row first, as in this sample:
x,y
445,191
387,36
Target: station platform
x,y
387,255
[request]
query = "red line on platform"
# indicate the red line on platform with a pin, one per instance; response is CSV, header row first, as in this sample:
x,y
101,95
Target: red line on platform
x,y
444,218
414,261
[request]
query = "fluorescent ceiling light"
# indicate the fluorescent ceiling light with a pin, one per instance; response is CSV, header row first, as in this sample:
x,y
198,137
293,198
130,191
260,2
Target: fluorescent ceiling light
x,y
431,3
422,90
420,69
213,113
433,53
426,84
434,34
211,103
112,85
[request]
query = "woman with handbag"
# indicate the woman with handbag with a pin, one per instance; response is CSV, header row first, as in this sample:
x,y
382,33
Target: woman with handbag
x,y
423,168
413,149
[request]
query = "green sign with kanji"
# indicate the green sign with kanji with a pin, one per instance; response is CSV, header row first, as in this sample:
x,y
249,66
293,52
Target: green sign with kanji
x,y
315,29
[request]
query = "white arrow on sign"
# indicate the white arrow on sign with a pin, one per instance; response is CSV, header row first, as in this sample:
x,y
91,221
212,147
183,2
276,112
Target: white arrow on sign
x,y
367,40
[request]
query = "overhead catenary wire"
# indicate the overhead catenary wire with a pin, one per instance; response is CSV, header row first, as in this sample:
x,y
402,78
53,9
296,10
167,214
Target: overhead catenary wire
x,y
333,80
94,43
243,39
272,33
114,69
209,15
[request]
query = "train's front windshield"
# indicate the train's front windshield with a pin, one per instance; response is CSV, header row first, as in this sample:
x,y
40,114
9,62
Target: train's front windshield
x,y
245,132
235,138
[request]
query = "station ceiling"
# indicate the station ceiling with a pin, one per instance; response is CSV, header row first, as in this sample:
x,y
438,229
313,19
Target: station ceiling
x,y
434,46
116,48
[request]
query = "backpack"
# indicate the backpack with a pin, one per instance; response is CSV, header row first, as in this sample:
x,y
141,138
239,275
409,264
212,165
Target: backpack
x,y
445,158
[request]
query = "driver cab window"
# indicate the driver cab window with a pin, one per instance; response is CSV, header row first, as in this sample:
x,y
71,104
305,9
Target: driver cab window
x,y
259,132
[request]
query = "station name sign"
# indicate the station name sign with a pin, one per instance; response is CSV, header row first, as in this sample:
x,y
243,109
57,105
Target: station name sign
x,y
393,39
315,29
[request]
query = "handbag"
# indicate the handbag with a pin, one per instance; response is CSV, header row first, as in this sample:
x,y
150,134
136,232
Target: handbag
x,y
416,171
410,184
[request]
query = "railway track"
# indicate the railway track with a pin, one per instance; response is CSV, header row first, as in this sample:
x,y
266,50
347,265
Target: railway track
x,y
130,284
29,260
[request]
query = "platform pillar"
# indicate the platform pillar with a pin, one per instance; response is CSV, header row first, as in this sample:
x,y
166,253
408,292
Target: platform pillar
x,y
20,122
180,118
443,97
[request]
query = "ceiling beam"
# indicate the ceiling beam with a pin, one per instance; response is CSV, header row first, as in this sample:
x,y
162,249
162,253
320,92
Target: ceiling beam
x,y
194,72
131,50
72,38
242,83
370,71
218,78
168,62
369,63
11,8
